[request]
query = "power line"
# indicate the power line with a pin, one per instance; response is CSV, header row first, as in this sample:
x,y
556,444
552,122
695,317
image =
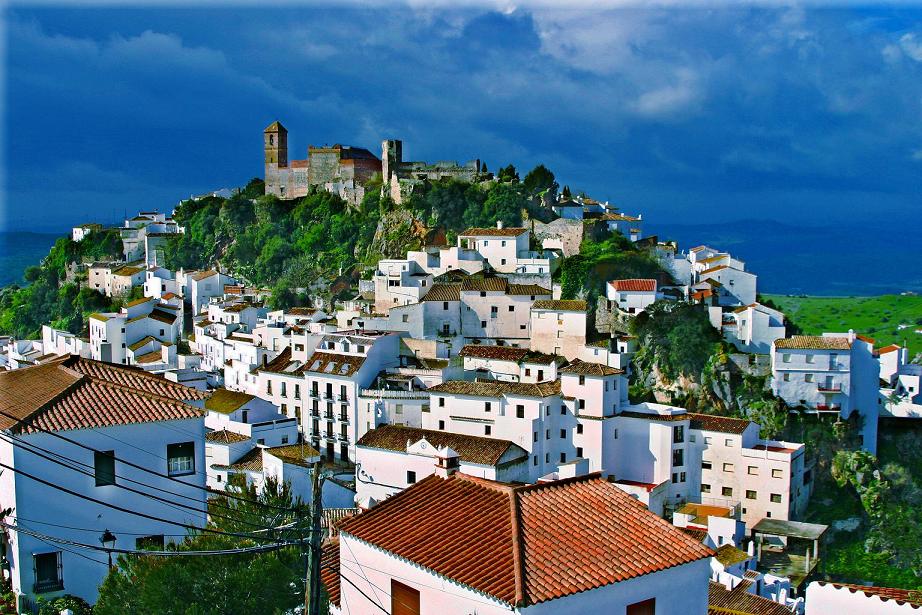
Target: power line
x,y
139,467
174,505
126,510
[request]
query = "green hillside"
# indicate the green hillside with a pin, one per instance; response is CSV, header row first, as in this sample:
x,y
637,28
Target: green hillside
x,y
877,317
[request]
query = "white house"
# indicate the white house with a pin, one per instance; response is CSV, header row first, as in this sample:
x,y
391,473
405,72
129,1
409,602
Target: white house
x,y
499,246
56,341
825,598
834,372
509,363
112,416
737,287
78,233
632,296
571,546
390,458
112,333
558,327
399,282
751,328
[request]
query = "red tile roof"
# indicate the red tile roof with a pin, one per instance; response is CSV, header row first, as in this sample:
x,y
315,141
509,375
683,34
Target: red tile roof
x,y
495,388
723,424
493,232
471,449
525,545
501,353
739,601
443,292
334,364
484,285
560,305
329,570
74,393
637,285
813,342
585,368
901,596
889,348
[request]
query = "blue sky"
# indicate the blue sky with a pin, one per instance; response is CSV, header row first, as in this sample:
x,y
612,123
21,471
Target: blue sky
x,y
689,116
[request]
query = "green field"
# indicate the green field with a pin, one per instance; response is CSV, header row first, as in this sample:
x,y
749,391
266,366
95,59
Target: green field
x,y
877,317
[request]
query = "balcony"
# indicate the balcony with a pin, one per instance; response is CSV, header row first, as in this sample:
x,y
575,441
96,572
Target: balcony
x,y
344,419
315,394
315,414
329,417
343,438
342,398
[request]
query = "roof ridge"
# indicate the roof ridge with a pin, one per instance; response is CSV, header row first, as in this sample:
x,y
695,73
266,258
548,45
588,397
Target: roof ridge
x,y
558,483
141,392
67,390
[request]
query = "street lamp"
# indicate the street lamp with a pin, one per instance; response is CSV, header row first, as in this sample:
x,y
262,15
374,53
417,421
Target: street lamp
x,y
108,542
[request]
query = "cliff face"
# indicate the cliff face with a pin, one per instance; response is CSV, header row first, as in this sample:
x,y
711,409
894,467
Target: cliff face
x,y
399,231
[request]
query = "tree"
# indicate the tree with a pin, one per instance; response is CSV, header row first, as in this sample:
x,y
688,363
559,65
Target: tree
x,y
508,174
235,584
538,180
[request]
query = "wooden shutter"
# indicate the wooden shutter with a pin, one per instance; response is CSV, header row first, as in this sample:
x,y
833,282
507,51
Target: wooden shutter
x,y
404,600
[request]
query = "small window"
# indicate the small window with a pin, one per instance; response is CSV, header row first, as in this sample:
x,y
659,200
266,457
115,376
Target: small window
x,y
563,457
786,377
786,358
547,434
487,429
777,473
411,477
180,458
579,429
534,436
520,411
486,406
728,442
582,380
284,439
441,402
728,467
104,465
678,459
48,572
511,308
750,494
442,425
579,451
752,471
705,488
615,433
563,434
705,465
678,434
776,498
727,492
810,358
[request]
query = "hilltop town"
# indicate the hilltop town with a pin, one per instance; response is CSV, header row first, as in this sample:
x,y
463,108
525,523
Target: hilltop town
x,y
489,394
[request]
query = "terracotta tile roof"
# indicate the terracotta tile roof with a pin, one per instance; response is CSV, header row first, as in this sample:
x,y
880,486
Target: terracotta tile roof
x,y
739,601
493,232
472,449
225,437
502,353
901,596
334,517
578,366
150,357
301,454
560,305
333,364
74,393
237,307
484,285
139,301
890,348
251,461
728,555
723,424
443,292
301,311
201,275
525,545
636,285
865,338
329,570
813,342
141,342
161,316
697,534
127,271
713,269
527,289
283,364
654,416
496,388
225,401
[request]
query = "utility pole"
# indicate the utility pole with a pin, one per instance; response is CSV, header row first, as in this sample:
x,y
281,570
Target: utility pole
x,y
312,584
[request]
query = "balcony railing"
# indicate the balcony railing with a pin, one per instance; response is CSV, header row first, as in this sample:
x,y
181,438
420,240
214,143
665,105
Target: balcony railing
x,y
828,407
48,585
829,388
343,418
329,417
342,398
315,394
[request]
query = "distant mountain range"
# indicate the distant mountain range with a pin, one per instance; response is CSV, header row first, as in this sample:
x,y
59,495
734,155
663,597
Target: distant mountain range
x,y
788,258
814,260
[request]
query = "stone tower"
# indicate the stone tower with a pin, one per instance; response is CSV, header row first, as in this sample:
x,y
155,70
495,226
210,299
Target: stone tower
x,y
391,157
275,143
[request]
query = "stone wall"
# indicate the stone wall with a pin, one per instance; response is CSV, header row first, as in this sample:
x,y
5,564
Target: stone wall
x,y
563,234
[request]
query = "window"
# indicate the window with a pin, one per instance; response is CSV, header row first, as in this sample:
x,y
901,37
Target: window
x,y
404,599
520,411
728,442
486,406
777,473
705,488
646,607
563,457
47,568
261,441
776,498
149,543
284,439
563,434
547,457
486,430
752,471
808,377
678,434
681,477
180,458
511,308
445,307
442,425
582,404
579,428
528,371
810,358
579,451
728,467
441,402
483,324
786,358
411,477
678,458
727,492
534,436
547,434
786,377
535,460
582,380
750,494
707,439
691,437
104,465
615,433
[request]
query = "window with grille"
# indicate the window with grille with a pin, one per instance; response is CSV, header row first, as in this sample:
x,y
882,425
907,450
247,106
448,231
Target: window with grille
x,y
180,458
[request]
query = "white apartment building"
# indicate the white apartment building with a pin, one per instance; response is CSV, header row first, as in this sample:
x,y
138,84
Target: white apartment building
x,y
200,286
499,246
56,341
115,279
399,282
736,286
503,550
323,391
834,372
825,598
751,328
493,309
111,333
632,296
113,416
439,261
558,327
615,351
509,364
390,458
144,236
161,283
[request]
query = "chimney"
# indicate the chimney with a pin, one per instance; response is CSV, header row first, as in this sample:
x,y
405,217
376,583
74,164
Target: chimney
x,y
499,224
851,335
447,462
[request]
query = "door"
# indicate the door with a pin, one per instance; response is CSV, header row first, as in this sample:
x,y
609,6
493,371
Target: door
x,y
404,599
647,607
